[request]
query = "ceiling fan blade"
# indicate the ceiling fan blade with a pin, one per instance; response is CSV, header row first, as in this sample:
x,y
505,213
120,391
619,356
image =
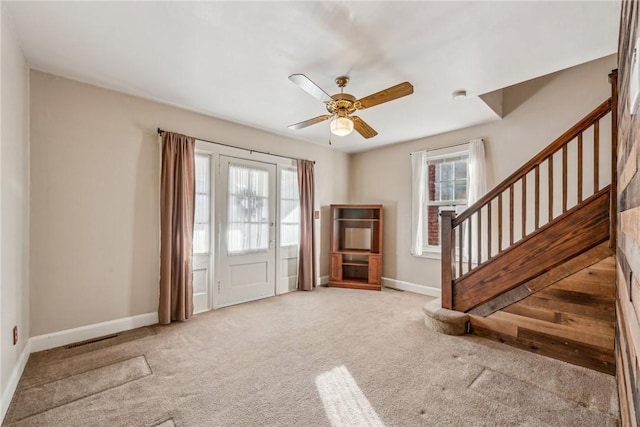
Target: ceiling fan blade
x,y
310,87
310,122
362,127
386,95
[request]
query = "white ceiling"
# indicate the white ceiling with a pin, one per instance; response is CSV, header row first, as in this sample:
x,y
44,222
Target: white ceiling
x,y
232,59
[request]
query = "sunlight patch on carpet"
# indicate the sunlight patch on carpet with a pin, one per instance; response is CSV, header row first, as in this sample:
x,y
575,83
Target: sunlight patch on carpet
x,y
344,402
38,399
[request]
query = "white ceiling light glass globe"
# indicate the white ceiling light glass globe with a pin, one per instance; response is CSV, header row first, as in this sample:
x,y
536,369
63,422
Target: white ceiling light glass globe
x,y
341,126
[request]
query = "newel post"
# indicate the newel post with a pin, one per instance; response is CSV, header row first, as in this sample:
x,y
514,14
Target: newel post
x,y
613,194
447,257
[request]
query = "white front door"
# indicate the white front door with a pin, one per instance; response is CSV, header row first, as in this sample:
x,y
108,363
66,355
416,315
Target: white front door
x,y
246,203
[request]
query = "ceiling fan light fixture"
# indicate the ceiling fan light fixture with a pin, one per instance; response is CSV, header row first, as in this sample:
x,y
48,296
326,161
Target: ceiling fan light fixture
x,y
341,126
341,105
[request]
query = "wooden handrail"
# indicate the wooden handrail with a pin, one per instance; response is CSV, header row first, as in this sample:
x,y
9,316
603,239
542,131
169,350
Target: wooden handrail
x,y
564,139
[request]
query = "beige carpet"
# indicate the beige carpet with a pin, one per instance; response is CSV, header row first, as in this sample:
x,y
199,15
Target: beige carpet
x,y
329,357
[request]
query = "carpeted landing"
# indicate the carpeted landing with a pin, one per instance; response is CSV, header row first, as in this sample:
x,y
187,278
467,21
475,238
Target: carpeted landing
x,y
332,356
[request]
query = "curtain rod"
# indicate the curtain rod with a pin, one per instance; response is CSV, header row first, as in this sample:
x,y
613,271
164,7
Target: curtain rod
x,y
161,131
451,146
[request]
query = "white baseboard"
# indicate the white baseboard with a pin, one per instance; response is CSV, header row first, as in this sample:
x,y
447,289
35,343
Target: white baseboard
x,y
7,395
69,336
323,280
411,287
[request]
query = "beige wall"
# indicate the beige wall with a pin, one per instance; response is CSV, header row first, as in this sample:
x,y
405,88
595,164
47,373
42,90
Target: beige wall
x,y
14,204
94,216
537,112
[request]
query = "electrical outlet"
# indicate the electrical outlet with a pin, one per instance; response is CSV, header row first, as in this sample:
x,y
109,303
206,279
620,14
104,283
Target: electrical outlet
x,y
15,335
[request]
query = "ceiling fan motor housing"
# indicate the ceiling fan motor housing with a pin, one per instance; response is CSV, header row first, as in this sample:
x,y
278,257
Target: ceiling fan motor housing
x,y
342,105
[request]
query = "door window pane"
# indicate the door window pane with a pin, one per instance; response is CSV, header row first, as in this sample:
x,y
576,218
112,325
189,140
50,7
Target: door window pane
x,y
248,210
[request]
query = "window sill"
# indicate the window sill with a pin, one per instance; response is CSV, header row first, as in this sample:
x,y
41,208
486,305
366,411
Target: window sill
x,y
429,254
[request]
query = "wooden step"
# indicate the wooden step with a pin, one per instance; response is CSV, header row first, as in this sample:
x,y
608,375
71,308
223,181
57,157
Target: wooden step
x,y
572,319
575,265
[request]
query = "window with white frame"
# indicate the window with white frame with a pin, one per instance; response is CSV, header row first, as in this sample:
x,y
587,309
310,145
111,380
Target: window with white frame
x,y
202,217
289,207
447,186
451,179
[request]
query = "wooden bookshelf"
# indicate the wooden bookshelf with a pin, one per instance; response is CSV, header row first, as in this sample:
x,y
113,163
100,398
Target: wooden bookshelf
x,y
355,260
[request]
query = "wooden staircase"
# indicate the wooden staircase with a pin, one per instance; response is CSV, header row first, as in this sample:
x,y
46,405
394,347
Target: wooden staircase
x,y
533,268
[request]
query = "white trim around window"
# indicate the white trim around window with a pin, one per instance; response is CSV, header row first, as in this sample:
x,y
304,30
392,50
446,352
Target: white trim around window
x,y
446,188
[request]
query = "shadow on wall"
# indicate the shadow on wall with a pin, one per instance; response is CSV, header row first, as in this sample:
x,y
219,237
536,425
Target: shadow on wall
x,y
513,98
506,100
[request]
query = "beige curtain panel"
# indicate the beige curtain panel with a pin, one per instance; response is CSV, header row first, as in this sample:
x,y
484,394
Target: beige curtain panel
x,y
306,259
177,201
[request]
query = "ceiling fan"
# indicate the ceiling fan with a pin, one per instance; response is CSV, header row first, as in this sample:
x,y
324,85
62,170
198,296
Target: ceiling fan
x,y
342,105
